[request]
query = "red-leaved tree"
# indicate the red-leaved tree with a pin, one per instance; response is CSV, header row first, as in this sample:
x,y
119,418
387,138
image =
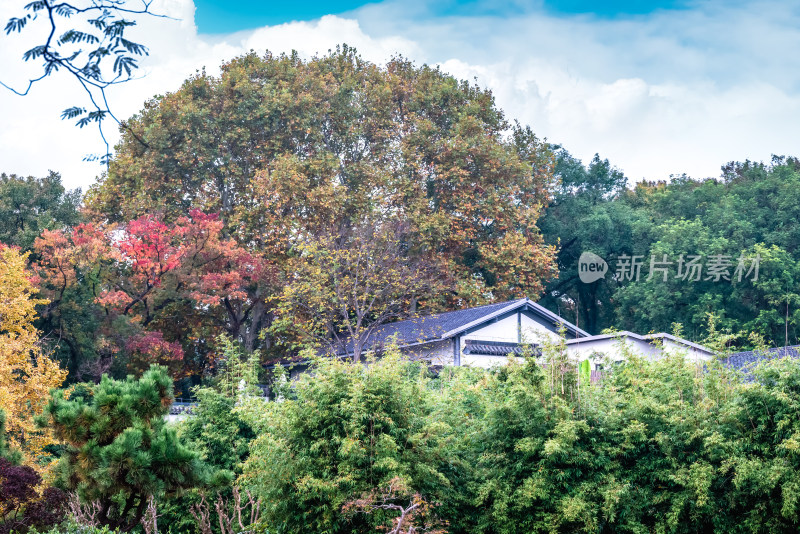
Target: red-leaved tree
x,y
161,292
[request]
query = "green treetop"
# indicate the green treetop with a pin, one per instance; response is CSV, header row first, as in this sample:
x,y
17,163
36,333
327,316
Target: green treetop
x,y
119,449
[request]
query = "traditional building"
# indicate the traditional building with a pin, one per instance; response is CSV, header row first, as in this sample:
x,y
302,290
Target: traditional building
x,y
614,347
485,335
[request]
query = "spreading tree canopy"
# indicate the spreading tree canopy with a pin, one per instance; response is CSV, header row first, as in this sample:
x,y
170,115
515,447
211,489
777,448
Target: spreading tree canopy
x,y
30,205
286,148
293,154
150,292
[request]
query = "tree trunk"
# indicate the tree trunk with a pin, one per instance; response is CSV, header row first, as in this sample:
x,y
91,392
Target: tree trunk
x,y
253,327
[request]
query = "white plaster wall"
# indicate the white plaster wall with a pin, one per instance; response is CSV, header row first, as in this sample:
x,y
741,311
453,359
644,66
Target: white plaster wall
x,y
535,332
504,330
691,353
439,353
612,348
508,330
588,349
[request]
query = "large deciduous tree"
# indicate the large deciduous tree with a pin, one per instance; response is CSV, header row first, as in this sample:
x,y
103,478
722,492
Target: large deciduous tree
x,y
585,215
344,287
30,205
292,151
26,373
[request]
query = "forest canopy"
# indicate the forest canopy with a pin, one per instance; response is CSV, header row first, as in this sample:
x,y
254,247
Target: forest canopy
x,y
751,209
295,155
249,204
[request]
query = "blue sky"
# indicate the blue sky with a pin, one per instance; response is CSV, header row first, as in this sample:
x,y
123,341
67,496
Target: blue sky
x,y
224,16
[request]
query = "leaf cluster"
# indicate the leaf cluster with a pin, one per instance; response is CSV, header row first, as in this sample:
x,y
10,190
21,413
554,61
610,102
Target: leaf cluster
x,y
87,41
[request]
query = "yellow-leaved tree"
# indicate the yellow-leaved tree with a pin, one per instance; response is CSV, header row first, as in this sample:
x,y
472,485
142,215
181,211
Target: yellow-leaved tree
x,y
26,373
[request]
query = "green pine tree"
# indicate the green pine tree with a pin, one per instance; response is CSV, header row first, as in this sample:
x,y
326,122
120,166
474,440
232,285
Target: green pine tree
x,y
119,449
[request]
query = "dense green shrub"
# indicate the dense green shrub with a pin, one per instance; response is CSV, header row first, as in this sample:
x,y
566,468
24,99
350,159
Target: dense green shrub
x,y
654,447
341,432
218,432
71,527
661,446
217,429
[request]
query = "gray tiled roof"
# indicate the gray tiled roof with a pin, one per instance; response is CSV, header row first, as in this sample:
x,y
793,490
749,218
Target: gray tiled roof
x,y
430,327
744,361
441,325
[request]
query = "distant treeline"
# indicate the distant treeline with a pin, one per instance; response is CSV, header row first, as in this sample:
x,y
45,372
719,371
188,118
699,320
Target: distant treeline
x,y
751,211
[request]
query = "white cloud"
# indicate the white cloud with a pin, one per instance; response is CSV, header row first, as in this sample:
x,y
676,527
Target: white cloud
x,y
669,92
